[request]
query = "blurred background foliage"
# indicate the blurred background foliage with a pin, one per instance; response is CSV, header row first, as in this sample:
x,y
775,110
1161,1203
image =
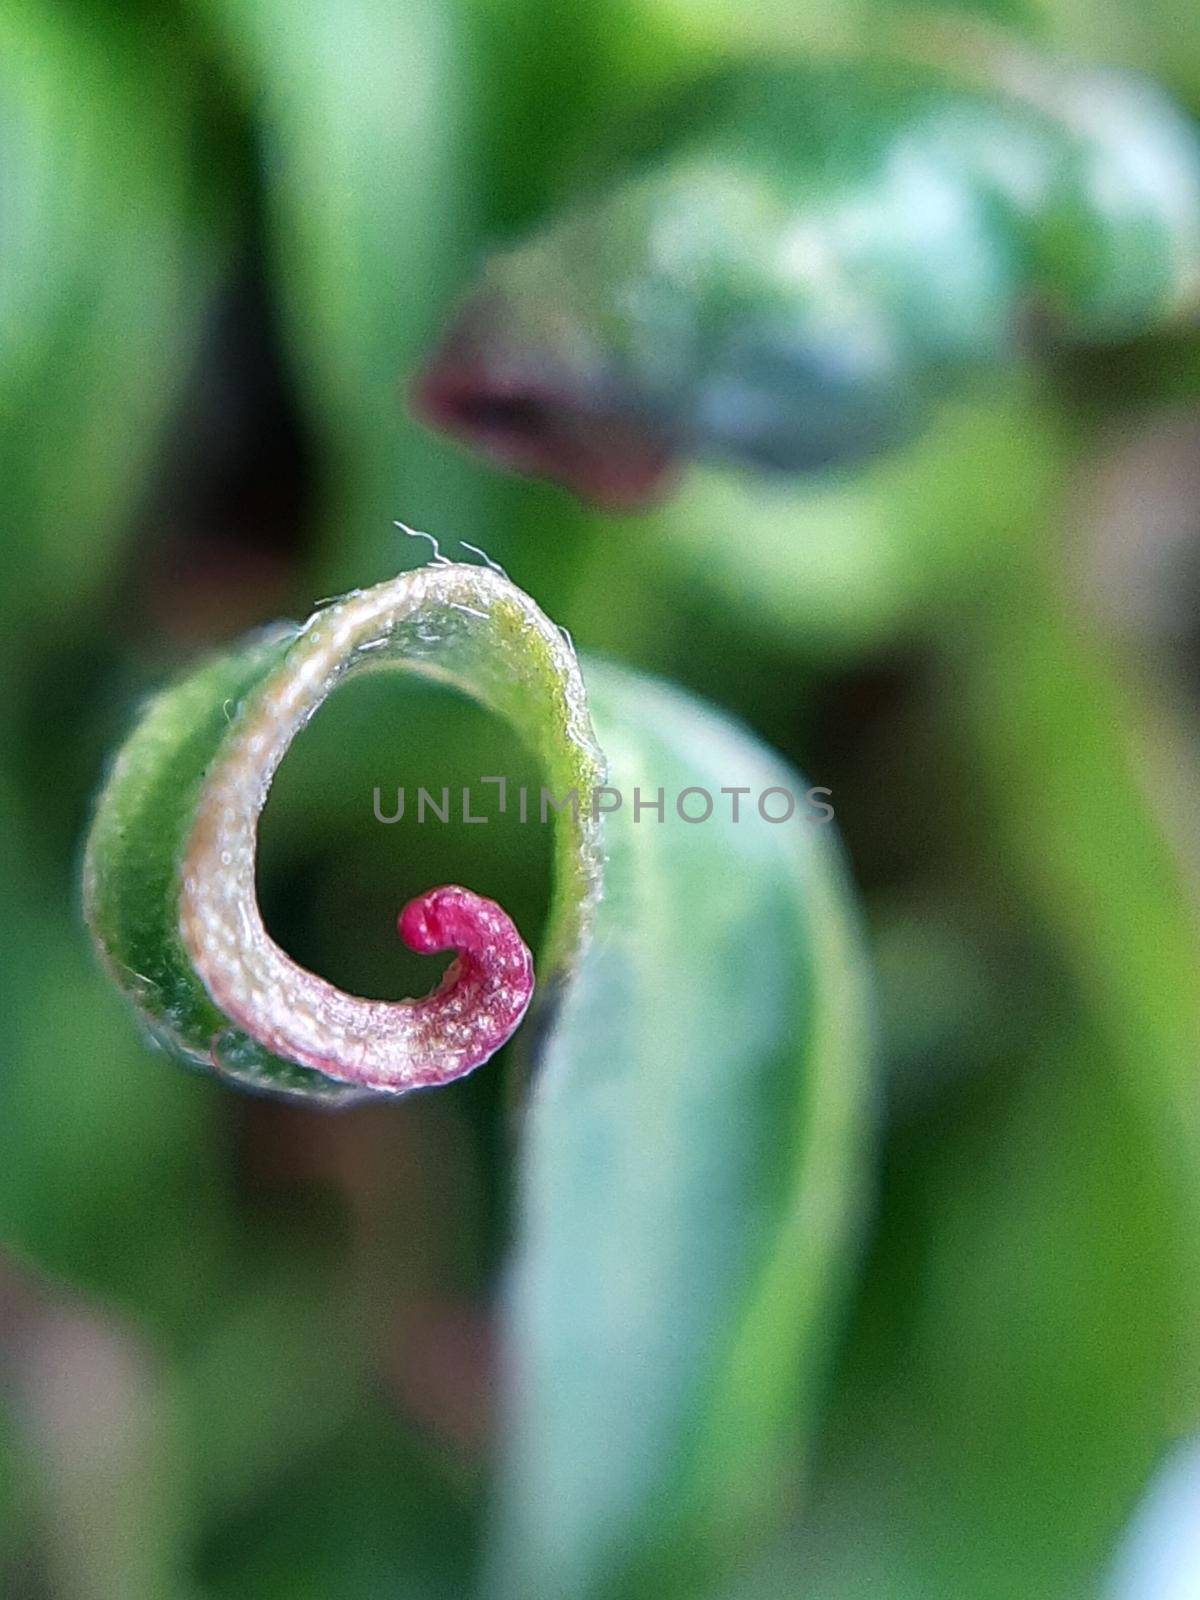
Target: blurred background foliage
x,y
246,1349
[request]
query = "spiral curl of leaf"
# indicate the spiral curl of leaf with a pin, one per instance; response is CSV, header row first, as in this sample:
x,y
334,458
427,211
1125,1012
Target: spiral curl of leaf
x,y
169,874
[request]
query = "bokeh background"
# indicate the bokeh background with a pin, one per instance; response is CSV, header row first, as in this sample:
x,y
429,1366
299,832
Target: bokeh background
x,y
248,1349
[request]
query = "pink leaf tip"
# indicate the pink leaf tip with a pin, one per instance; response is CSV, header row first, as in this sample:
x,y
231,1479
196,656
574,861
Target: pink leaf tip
x,y
487,990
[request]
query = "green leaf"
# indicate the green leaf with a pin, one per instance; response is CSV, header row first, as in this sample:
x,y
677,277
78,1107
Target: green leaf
x,y
1064,739
363,113
693,1169
693,1148
1021,1360
693,1154
110,255
1027,1345
814,255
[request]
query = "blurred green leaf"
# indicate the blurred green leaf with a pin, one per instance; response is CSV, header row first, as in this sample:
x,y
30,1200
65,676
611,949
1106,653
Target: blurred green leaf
x,y
1027,1350
1020,1357
364,109
1064,741
692,1175
112,245
807,259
